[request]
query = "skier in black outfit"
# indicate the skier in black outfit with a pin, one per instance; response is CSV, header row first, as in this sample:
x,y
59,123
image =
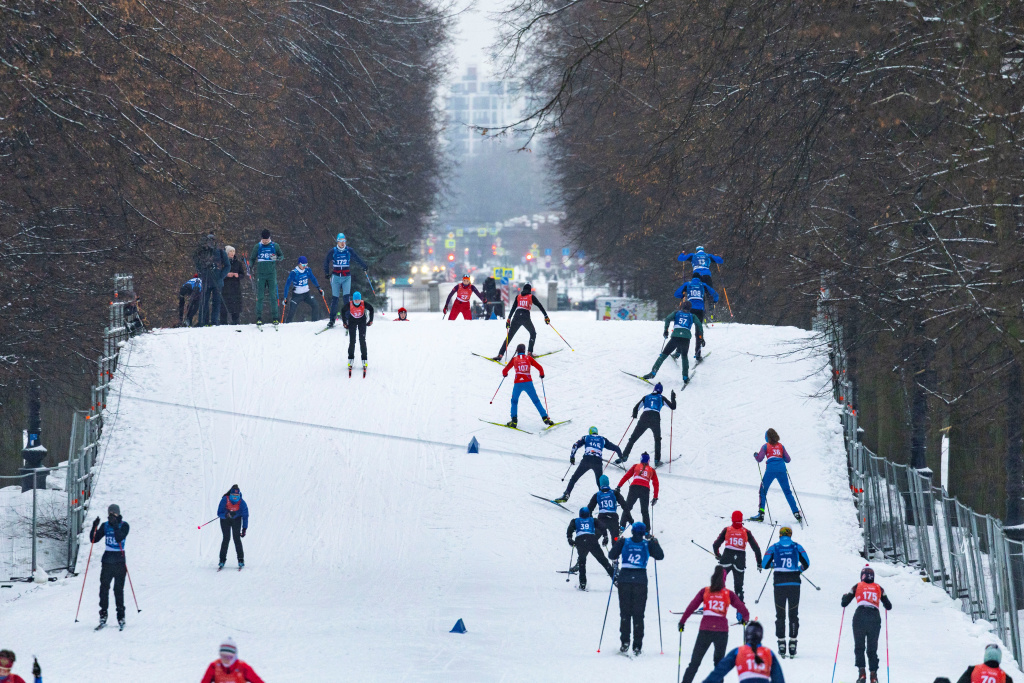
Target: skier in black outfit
x,y
651,419
734,557
593,459
112,533
605,501
356,316
234,521
632,583
519,316
585,528
867,622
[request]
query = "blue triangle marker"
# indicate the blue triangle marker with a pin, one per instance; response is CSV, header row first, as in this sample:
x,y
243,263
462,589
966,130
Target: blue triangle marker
x,y
459,627
474,446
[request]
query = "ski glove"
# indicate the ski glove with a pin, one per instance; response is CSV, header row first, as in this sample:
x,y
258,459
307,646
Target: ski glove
x,y
243,533
681,626
665,335
618,489
570,542
445,311
654,502
95,523
508,324
547,320
37,670
702,342
572,459
673,395
369,323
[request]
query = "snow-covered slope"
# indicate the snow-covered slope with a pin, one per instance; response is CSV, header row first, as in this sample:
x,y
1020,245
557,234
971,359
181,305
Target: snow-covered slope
x,y
372,530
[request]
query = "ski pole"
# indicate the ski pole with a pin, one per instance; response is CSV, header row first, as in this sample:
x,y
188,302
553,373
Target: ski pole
x,y
284,307
566,471
679,662
797,495
657,595
887,679
205,523
671,424
765,584
542,388
702,547
372,291
841,620
605,622
84,577
726,292
809,581
567,574
498,389
504,346
563,338
129,577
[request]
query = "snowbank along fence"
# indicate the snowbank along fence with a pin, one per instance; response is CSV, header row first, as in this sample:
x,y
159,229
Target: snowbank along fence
x,y
87,425
907,520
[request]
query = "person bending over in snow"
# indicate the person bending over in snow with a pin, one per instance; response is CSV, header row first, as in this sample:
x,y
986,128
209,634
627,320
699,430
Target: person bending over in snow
x,y
234,521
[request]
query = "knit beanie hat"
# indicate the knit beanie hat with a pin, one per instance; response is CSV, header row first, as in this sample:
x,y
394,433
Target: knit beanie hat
x,y
265,234
993,654
228,647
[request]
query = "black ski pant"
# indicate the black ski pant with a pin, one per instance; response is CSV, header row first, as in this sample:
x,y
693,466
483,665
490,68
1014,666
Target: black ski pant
x,y
608,524
706,279
649,419
632,603
193,304
354,328
521,318
587,544
643,494
589,462
231,528
302,298
787,594
705,639
211,298
736,562
112,571
867,623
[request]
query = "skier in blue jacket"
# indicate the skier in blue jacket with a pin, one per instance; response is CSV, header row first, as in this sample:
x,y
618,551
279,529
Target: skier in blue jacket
x,y
338,267
234,521
776,457
701,263
694,292
593,446
788,559
300,277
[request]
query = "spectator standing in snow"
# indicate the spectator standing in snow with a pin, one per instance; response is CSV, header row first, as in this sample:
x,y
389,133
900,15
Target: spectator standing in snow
x,y
234,520
7,659
229,668
231,292
212,264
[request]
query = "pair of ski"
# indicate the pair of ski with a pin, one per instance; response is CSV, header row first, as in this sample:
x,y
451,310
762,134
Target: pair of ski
x,y
259,326
498,362
103,624
239,569
350,371
542,432
696,362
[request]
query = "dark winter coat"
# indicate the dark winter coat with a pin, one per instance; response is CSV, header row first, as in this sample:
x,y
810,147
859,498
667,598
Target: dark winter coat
x,y
233,286
243,510
211,263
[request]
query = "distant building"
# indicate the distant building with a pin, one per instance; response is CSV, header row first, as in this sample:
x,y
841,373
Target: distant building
x,y
473,103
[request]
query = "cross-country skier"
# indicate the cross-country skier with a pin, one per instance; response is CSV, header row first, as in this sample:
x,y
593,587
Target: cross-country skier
x,y
714,625
114,568
867,622
681,321
753,662
734,557
300,276
632,582
7,660
989,672
650,419
338,266
229,668
694,291
462,293
774,469
519,316
701,261
265,255
788,559
356,316
593,459
522,361
234,521
192,292
585,529
641,477
606,502
403,315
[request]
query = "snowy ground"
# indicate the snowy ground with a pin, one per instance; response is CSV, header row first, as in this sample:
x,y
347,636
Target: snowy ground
x,y
364,549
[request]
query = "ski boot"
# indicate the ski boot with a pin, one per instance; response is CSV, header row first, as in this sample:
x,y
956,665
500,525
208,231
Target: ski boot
x,y
636,650
564,498
512,423
583,585
103,622
686,380
624,648
364,369
759,517
862,675
782,648
497,358
792,648
241,565
799,517
220,566
548,421
697,358
647,376
874,677
350,369
575,568
120,624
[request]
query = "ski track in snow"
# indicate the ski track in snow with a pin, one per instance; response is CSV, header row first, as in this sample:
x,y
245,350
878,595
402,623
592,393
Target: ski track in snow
x,y
363,551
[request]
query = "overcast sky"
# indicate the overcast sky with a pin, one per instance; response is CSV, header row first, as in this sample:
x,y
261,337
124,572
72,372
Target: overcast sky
x,y
475,33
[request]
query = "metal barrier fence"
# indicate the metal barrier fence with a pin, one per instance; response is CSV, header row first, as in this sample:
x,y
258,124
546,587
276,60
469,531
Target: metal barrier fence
x,y
87,425
907,520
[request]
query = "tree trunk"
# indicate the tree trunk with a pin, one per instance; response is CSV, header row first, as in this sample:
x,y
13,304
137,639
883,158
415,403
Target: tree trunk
x,y
1014,447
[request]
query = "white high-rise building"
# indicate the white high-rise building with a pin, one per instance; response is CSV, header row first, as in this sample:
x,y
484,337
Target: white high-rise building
x,y
472,104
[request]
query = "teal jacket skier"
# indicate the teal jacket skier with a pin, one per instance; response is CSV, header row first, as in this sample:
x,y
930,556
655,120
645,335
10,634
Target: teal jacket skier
x,y
681,320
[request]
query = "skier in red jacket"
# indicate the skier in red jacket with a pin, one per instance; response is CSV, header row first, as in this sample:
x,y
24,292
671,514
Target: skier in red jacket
x,y
7,659
229,668
462,293
522,361
643,477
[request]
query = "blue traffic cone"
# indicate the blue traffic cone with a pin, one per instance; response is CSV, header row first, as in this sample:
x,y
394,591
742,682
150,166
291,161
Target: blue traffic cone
x,y
459,627
474,446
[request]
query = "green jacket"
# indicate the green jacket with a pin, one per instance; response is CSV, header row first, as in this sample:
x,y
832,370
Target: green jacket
x,y
271,255
683,332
